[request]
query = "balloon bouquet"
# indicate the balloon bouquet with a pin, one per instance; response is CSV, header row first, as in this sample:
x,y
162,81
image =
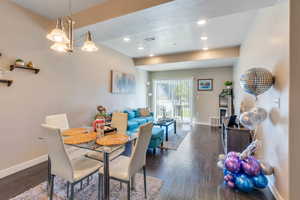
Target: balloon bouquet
x,y
242,170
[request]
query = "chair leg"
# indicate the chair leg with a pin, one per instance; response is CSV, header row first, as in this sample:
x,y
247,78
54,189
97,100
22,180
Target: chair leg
x,y
128,190
154,151
49,175
100,186
68,189
145,182
121,185
51,187
72,191
132,181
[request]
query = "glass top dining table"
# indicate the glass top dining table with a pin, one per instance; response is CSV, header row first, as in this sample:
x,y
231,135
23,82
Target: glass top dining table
x,y
107,151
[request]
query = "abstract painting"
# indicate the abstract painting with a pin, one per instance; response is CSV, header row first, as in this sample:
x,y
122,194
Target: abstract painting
x,y
122,83
205,85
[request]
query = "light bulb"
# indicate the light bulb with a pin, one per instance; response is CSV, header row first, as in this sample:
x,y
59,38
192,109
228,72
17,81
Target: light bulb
x,y
58,34
59,47
89,45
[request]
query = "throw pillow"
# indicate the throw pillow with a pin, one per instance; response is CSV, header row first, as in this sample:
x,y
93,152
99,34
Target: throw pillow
x,y
144,112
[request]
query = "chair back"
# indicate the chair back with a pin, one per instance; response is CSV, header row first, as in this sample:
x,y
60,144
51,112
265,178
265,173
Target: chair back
x,y
60,121
60,163
119,120
138,156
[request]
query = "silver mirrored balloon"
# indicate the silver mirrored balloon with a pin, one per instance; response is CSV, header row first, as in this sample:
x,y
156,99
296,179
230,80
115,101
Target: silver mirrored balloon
x,y
256,81
260,114
249,120
266,168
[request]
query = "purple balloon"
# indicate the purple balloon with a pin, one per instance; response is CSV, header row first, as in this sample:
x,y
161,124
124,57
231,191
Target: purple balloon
x,y
233,154
230,184
233,164
228,177
251,166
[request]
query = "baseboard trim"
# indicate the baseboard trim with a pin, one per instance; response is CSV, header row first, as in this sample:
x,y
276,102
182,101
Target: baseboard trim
x,y
22,166
274,190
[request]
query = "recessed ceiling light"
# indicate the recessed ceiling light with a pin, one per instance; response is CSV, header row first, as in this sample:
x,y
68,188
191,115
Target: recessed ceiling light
x,y
140,48
151,55
126,39
205,48
204,38
201,22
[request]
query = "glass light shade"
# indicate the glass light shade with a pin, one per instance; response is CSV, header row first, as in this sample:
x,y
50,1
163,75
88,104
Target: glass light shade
x,y
58,35
89,46
59,47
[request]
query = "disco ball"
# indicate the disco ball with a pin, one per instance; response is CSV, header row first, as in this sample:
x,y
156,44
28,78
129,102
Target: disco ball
x,y
256,81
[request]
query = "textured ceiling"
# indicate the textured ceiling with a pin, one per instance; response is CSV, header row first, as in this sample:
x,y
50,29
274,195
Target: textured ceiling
x,y
175,29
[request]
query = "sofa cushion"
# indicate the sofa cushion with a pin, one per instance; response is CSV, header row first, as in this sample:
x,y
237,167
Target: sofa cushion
x,y
132,125
157,133
137,112
140,120
144,112
130,113
149,119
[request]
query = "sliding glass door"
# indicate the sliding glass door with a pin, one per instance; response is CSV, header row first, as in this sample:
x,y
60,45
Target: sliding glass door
x,y
174,98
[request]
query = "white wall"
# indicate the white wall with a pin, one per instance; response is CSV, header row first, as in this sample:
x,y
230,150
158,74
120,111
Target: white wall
x,y
206,103
267,46
73,84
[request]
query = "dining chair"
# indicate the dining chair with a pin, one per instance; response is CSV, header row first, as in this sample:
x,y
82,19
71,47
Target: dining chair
x,y
61,121
73,171
124,168
118,121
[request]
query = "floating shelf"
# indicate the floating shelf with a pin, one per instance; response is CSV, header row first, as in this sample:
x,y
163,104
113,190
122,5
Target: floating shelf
x,y
8,82
12,67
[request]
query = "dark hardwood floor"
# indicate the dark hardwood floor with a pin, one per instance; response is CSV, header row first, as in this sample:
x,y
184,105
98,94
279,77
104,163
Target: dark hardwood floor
x,y
190,173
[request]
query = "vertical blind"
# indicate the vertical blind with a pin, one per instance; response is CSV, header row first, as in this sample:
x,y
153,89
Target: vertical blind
x,y
174,97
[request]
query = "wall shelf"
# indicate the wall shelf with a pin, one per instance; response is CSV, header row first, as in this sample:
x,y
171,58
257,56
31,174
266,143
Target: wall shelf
x,y
36,71
8,82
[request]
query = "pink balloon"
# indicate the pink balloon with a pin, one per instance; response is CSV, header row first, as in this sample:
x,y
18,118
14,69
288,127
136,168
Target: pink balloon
x,y
251,166
230,184
233,164
233,154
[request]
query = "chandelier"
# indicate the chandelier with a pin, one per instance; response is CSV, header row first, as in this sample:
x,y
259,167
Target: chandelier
x,y
64,42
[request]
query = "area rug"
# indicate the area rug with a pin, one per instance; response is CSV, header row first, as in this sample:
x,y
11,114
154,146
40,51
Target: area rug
x,y
90,192
175,139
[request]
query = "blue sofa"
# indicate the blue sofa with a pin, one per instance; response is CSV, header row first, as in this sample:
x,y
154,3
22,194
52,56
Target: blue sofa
x,y
135,120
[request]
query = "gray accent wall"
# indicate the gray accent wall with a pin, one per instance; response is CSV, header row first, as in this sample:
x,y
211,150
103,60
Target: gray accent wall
x,y
73,84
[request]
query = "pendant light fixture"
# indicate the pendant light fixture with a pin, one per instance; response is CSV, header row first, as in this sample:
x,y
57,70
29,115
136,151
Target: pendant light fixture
x,y
64,43
89,45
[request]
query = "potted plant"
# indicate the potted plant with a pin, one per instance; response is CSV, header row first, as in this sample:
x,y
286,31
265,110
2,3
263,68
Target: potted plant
x,y
19,62
228,84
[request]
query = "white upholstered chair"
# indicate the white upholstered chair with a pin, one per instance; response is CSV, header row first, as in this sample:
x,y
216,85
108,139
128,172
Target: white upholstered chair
x,y
73,171
61,121
118,121
124,168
